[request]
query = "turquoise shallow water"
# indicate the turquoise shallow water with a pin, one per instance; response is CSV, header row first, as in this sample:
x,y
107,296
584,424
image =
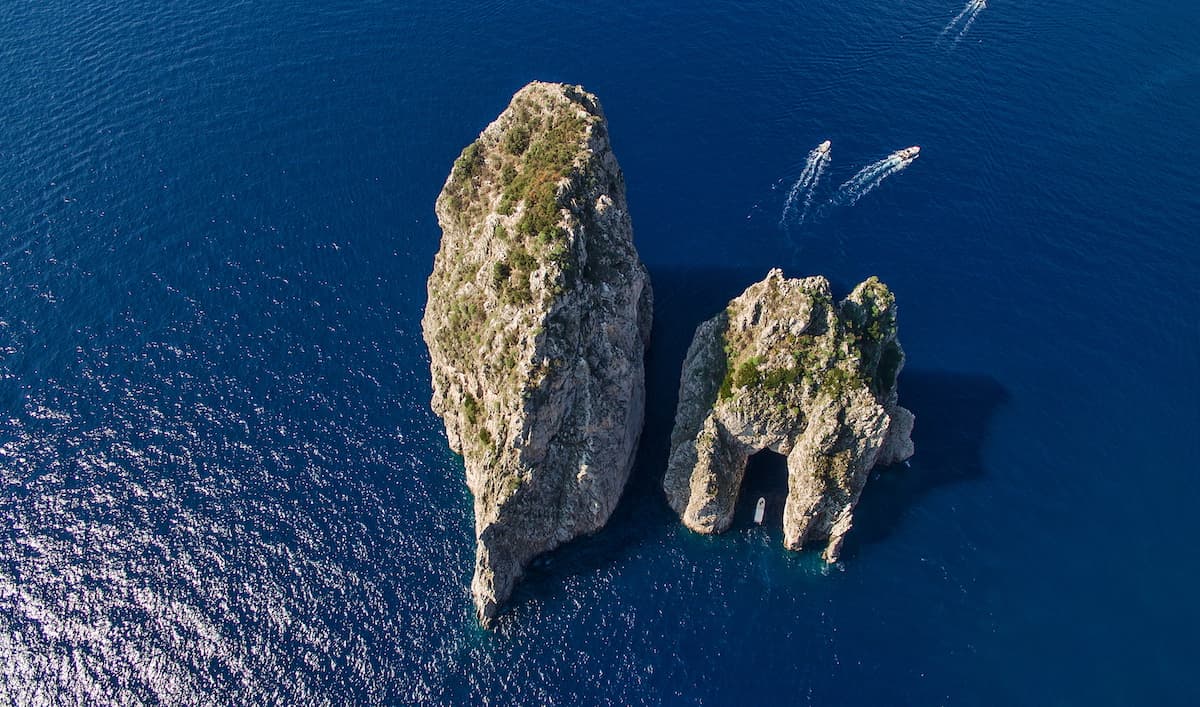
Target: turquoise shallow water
x,y
219,478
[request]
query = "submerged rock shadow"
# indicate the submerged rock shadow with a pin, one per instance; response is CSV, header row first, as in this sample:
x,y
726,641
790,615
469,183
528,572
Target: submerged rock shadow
x,y
954,413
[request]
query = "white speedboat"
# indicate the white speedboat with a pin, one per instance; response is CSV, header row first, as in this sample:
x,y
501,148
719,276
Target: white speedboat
x,y
824,147
760,510
909,153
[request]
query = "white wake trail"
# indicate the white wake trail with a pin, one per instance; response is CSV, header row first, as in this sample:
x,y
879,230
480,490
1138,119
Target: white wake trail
x,y
875,180
804,187
865,175
808,199
980,6
789,204
971,9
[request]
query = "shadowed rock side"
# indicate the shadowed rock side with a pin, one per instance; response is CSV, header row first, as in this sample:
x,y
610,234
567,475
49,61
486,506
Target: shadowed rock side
x,y
785,368
537,320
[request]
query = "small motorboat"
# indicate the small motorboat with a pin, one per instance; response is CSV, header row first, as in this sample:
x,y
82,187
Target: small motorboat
x,y
759,510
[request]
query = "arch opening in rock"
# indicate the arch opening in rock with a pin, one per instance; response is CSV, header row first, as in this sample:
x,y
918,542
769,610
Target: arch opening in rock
x,y
766,476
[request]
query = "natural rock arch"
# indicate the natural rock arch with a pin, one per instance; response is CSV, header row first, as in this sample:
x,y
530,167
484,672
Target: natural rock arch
x,y
783,368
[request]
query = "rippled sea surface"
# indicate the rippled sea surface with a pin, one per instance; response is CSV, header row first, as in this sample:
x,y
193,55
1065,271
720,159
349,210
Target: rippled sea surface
x,y
220,482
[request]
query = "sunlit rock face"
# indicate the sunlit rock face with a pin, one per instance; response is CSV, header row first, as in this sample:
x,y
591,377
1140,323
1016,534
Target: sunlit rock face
x,y
787,368
537,321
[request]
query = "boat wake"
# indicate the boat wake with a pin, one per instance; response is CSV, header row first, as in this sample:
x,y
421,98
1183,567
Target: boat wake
x,y
800,196
963,20
871,176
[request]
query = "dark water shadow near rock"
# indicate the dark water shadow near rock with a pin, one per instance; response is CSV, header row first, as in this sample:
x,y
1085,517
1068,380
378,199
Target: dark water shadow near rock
x,y
954,412
683,298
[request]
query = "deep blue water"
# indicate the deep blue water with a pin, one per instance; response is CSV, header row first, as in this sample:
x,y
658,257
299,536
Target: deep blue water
x,y
220,481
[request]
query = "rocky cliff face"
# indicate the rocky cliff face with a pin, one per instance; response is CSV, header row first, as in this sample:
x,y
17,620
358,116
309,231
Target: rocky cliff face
x,y
786,368
537,321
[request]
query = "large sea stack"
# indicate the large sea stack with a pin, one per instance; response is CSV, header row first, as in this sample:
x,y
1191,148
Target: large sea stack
x,y
787,368
537,321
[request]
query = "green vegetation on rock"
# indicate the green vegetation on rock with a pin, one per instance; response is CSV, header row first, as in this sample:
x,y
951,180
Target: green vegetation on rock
x,y
785,368
859,347
536,264
546,159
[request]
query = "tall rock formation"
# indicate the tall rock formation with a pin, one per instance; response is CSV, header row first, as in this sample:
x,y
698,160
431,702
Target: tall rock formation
x,y
786,368
537,321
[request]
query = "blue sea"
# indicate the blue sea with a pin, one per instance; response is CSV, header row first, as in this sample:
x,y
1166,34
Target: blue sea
x,y
220,480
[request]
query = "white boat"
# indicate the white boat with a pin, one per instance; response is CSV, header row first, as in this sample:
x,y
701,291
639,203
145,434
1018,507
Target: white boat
x,y
824,147
909,153
759,510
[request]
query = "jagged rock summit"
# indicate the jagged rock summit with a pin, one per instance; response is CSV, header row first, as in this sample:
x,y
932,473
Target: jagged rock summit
x,y
786,368
537,321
